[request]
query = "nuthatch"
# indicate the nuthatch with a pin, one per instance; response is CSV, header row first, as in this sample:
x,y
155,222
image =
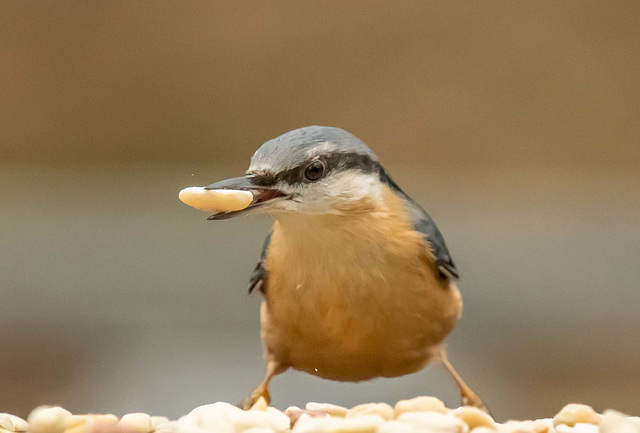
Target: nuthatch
x,y
357,279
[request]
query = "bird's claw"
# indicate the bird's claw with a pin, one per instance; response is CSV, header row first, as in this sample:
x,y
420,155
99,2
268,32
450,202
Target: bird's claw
x,y
255,395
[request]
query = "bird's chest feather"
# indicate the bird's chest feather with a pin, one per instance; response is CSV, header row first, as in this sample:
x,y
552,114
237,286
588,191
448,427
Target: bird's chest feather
x,y
357,285
328,263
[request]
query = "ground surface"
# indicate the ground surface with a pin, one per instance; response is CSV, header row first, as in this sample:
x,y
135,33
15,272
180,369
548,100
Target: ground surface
x,y
421,414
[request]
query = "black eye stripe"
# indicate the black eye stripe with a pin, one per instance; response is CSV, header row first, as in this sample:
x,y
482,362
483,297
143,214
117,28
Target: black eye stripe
x,y
332,161
264,179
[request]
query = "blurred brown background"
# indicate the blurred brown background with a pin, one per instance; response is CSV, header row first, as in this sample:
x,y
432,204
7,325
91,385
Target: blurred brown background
x,y
514,123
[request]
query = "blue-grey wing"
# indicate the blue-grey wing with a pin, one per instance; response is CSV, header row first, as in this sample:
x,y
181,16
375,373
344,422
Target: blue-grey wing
x,y
424,224
258,278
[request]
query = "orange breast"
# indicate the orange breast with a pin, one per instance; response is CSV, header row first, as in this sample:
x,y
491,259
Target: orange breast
x,y
351,297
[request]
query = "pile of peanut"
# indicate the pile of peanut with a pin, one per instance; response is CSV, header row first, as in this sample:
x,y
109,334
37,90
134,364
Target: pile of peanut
x,y
418,415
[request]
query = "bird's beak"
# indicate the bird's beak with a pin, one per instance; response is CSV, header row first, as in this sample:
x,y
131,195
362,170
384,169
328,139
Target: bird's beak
x,y
261,194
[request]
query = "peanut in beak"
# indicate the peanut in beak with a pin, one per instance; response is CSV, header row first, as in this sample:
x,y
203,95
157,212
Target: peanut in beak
x,y
216,200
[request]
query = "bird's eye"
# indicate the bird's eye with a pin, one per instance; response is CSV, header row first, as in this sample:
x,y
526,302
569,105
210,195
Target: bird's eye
x,y
314,171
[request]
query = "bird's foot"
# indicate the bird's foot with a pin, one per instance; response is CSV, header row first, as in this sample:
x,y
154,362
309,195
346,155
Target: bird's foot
x,y
472,399
256,394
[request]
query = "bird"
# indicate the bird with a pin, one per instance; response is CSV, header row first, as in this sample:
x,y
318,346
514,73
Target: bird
x,y
356,278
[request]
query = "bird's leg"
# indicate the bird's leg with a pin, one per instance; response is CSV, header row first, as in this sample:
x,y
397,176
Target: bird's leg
x,y
469,398
273,368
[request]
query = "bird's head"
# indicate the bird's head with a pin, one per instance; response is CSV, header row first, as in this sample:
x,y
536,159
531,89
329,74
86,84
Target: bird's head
x,y
311,170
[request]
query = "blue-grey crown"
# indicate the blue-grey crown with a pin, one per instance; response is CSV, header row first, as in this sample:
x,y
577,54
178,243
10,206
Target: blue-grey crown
x,y
293,148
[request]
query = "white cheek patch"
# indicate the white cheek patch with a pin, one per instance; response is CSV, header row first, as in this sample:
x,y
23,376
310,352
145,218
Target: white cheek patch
x,y
351,185
333,193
